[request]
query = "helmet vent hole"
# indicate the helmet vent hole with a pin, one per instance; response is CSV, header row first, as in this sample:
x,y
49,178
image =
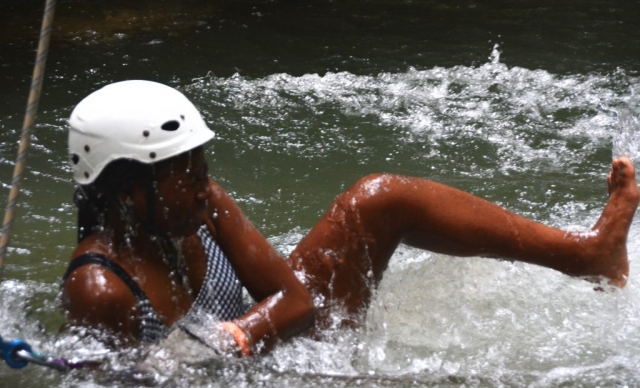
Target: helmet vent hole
x,y
170,125
182,117
86,175
145,133
152,155
87,148
75,158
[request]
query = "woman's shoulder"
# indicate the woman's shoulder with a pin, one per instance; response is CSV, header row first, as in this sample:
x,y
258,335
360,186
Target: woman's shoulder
x,y
216,189
95,243
92,274
93,292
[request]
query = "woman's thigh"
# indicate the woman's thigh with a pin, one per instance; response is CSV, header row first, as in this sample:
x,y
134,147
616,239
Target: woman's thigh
x,y
344,256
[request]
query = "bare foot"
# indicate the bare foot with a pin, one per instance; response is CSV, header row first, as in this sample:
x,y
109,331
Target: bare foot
x,y
613,226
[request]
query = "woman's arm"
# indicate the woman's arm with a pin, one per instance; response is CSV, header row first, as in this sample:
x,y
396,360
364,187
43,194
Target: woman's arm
x,y
284,305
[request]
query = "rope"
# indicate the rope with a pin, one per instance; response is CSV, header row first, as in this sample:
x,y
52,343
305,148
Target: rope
x,y
17,354
29,120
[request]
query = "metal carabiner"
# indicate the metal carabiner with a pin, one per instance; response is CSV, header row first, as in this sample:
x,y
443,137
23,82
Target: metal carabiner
x,y
11,352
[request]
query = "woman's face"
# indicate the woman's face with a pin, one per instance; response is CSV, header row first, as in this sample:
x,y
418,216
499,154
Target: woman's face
x,y
182,193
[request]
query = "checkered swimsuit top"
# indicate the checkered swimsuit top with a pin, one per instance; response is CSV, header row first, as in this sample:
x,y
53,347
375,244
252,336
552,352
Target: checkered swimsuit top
x,y
220,295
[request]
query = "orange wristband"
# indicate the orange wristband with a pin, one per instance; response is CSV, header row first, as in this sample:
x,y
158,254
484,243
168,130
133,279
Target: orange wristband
x,y
239,336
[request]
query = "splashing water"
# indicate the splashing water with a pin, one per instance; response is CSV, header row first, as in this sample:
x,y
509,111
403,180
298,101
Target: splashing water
x,y
435,319
626,142
517,116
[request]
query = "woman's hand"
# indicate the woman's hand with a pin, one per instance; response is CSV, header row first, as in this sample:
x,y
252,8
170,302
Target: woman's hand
x,y
225,338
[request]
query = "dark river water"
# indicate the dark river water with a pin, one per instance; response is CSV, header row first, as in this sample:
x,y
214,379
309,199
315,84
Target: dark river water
x,y
524,103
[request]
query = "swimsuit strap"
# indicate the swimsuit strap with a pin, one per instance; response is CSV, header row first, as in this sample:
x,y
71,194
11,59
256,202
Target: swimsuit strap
x,y
150,324
103,261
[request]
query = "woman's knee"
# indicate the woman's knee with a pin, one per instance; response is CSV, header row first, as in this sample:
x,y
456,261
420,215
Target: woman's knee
x,y
372,196
372,186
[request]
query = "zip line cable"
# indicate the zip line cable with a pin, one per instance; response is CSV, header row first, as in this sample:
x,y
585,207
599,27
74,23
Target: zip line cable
x,y
29,120
17,353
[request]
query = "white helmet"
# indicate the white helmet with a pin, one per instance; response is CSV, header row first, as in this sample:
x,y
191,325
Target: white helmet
x,y
140,120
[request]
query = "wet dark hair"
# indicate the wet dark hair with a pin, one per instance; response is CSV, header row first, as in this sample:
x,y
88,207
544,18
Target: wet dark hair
x,y
94,200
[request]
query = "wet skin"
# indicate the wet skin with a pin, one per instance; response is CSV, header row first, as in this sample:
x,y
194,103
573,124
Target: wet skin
x,y
95,296
341,259
346,254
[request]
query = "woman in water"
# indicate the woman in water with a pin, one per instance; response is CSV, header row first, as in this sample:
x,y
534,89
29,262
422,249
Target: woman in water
x,y
162,245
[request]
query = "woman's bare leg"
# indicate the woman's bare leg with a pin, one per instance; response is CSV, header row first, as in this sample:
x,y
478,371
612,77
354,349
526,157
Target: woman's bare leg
x,y
346,253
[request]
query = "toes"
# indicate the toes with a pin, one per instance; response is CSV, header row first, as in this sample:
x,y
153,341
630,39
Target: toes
x,y
609,182
617,172
625,165
621,171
